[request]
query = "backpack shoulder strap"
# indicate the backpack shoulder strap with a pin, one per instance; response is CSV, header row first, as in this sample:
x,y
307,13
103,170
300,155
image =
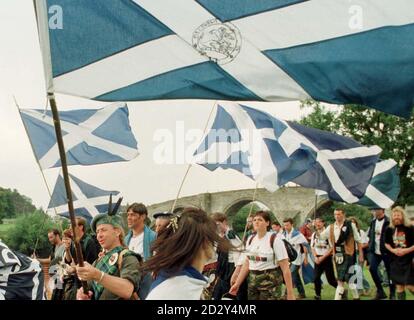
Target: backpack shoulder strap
x,y
134,295
332,236
272,239
249,242
121,258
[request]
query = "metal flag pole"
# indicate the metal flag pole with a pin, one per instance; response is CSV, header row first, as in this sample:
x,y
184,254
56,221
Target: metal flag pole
x,y
65,172
190,164
250,212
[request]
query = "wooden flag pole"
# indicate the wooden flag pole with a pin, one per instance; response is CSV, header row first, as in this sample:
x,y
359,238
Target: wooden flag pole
x,y
42,173
62,154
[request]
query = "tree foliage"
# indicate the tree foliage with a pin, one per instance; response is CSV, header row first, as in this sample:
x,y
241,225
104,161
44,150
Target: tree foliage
x,y
12,204
239,220
370,127
362,214
27,228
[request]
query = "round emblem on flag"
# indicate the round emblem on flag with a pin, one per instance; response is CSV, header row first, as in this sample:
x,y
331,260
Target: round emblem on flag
x,y
220,42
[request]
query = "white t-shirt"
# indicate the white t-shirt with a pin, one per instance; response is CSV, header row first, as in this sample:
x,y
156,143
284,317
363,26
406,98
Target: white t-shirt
x,y
364,237
337,231
261,256
320,246
137,244
378,229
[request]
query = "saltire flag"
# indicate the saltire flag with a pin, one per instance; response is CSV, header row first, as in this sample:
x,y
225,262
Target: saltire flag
x,y
296,239
91,136
274,152
340,52
308,270
21,278
88,200
384,186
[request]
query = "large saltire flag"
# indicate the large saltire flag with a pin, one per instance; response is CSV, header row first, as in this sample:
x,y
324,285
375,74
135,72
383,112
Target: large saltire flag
x,y
88,200
21,278
273,152
91,136
340,52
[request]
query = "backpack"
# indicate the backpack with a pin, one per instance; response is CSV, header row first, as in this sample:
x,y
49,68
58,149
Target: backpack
x,y
291,251
135,294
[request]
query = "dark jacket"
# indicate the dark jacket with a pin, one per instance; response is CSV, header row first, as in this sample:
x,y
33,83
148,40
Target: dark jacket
x,y
90,249
371,235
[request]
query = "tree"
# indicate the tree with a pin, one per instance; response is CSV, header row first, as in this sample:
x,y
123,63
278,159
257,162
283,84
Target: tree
x,y
362,214
27,229
370,127
238,222
12,203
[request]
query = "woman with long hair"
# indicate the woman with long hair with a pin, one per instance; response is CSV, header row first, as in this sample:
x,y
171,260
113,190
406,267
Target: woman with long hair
x,y
399,241
181,251
266,262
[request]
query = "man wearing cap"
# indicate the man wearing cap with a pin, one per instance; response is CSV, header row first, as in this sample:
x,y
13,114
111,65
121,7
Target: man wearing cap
x,y
377,251
139,239
114,275
162,219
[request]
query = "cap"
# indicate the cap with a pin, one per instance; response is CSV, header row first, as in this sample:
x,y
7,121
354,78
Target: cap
x,y
165,214
104,218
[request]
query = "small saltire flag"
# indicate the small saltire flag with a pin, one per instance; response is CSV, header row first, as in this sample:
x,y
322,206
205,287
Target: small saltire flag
x,y
91,136
21,278
88,200
241,50
274,152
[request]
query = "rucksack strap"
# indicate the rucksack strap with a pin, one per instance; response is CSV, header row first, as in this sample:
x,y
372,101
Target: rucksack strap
x,y
251,239
272,240
134,295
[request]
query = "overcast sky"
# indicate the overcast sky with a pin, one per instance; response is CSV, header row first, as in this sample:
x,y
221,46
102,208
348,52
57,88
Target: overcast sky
x,y
21,75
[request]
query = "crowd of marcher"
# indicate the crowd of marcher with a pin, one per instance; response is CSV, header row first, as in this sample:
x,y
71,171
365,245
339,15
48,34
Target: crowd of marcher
x,y
194,255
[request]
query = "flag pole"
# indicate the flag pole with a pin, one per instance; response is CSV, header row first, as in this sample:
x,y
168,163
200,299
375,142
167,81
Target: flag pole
x,y
38,164
250,212
43,30
190,164
65,172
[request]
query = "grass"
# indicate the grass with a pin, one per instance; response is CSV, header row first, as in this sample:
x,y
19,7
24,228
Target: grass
x,y
328,293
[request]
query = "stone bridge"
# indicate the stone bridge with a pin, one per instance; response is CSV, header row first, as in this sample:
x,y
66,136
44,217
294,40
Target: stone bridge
x,y
288,202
